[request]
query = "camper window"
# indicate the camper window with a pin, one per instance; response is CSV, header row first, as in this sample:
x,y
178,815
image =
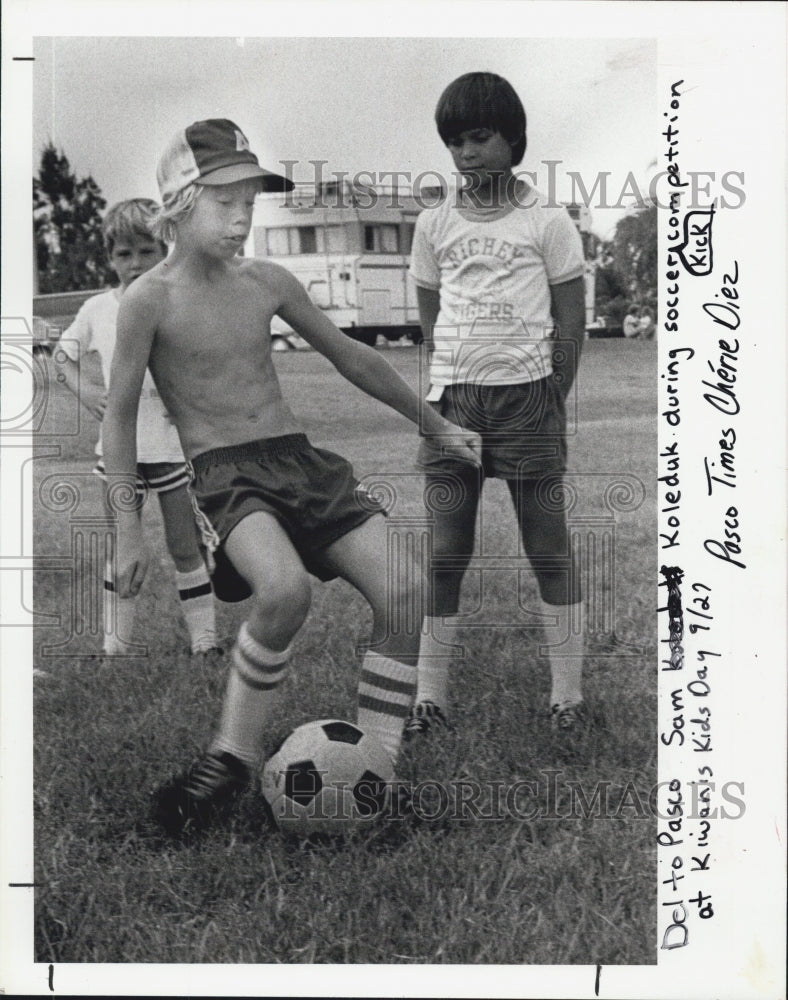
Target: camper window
x,y
289,241
308,239
381,239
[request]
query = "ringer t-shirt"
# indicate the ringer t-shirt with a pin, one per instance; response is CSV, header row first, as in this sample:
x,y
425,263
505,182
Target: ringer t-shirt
x,y
94,329
493,269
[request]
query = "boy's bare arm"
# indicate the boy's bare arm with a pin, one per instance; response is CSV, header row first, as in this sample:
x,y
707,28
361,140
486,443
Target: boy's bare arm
x,y
135,331
568,308
429,303
365,368
89,393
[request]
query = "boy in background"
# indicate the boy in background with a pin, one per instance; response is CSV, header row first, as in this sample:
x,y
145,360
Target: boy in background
x,y
497,270
161,468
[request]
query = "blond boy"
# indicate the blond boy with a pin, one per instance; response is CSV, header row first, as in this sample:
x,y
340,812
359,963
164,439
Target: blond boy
x,y
132,250
274,509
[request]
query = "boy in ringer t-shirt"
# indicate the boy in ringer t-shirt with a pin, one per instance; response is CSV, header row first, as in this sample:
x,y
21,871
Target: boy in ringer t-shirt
x,y
499,280
161,468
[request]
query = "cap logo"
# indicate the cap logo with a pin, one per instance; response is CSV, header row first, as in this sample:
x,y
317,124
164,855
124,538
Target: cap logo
x,y
215,149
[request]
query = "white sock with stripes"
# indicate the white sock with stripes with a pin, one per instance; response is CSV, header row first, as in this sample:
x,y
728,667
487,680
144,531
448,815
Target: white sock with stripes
x,y
566,646
256,674
385,692
118,617
435,652
196,596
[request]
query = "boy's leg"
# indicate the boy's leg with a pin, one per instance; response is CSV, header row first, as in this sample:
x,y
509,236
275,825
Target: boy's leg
x,y
454,502
191,574
262,553
118,614
547,544
394,588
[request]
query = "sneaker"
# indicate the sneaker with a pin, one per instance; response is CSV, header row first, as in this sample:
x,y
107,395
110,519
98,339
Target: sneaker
x,y
422,717
188,803
209,653
569,720
207,645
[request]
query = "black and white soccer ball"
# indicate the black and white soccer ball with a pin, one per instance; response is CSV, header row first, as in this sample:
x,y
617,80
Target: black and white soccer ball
x,y
328,776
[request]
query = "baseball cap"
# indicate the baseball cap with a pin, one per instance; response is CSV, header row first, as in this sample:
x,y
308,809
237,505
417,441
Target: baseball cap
x,y
214,151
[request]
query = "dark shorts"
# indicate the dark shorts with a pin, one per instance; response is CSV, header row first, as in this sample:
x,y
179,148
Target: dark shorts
x,y
312,493
523,428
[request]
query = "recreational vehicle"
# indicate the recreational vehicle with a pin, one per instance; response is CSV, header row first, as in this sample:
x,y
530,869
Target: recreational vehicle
x,y
349,245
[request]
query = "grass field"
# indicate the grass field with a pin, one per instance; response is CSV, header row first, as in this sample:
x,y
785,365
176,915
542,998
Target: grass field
x,y
535,886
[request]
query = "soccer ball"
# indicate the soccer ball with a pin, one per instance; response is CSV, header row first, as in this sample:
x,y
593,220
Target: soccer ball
x,y
328,776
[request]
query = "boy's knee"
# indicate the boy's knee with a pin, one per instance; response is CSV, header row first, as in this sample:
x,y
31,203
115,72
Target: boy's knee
x,y
287,597
182,545
185,556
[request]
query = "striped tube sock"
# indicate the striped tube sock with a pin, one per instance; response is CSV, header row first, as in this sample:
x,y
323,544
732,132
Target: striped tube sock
x,y
566,639
385,693
118,617
196,595
435,651
255,677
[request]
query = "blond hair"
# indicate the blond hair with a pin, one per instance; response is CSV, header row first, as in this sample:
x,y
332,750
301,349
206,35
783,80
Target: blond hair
x,y
127,219
175,211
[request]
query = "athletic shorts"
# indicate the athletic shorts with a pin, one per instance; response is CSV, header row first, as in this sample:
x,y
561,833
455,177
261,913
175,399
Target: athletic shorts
x,y
161,477
312,493
523,428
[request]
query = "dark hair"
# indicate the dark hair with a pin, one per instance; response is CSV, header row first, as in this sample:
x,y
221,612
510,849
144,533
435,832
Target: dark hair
x,y
128,219
483,100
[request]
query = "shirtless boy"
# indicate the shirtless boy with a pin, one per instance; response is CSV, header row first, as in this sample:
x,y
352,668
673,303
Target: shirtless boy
x,y
273,508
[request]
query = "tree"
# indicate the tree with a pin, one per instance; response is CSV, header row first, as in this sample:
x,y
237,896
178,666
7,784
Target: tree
x,y
632,256
67,227
610,298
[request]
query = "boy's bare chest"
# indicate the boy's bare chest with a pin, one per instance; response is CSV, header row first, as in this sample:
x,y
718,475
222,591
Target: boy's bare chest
x,y
202,323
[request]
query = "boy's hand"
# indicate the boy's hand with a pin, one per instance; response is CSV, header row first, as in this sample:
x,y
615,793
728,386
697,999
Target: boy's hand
x,y
456,443
132,564
96,405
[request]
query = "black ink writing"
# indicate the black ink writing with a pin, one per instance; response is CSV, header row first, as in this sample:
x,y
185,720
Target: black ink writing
x,y
726,313
695,251
730,546
669,539
723,471
673,413
673,577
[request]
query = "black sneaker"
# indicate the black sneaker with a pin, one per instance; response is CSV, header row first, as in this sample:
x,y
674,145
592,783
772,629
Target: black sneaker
x,y
215,652
571,725
569,719
424,716
188,803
